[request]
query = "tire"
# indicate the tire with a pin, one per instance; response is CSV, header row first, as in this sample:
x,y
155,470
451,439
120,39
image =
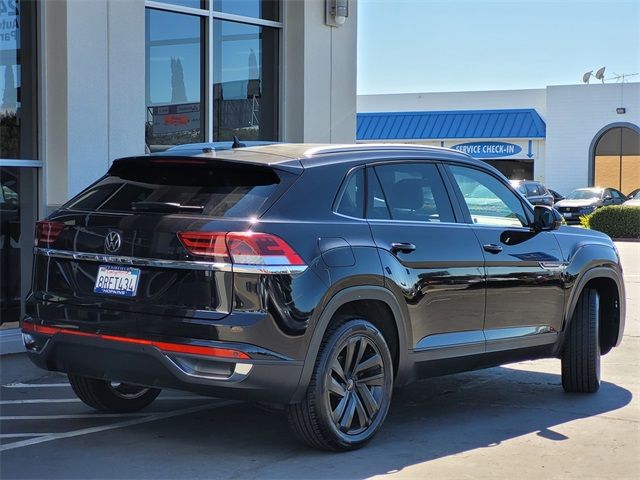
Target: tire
x,y
352,381
107,397
581,355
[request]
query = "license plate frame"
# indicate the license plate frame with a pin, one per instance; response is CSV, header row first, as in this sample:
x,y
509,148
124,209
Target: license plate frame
x,y
117,280
567,215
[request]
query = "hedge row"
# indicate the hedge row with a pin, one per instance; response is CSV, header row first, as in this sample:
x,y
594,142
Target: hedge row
x,y
616,221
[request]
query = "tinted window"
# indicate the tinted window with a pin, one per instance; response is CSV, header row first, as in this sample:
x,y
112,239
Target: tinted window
x,y
351,202
414,191
489,201
212,189
534,189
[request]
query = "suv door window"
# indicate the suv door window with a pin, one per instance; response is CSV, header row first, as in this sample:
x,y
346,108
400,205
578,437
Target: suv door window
x,y
489,201
415,192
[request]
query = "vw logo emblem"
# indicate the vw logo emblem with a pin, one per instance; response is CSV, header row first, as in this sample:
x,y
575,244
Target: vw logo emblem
x,y
112,242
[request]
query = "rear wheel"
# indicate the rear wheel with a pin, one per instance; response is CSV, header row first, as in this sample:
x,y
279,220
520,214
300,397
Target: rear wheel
x,y
109,396
350,390
581,355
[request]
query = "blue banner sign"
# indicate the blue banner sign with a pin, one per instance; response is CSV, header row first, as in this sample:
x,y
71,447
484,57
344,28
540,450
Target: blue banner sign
x,y
488,149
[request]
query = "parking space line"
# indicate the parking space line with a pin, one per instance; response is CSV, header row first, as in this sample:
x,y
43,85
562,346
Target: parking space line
x,y
113,426
72,416
22,435
36,385
76,400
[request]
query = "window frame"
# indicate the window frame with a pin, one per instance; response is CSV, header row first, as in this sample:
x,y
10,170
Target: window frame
x,y
457,193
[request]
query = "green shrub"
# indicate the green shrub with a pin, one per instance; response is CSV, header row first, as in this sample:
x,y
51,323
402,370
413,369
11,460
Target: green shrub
x,y
616,221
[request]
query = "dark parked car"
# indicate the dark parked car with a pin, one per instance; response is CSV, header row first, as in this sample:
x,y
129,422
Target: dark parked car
x,y
315,278
584,201
556,195
535,192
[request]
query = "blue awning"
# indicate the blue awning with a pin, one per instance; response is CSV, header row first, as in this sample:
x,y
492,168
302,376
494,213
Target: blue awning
x,y
510,123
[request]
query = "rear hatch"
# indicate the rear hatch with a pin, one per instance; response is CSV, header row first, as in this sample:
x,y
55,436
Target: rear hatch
x,y
115,246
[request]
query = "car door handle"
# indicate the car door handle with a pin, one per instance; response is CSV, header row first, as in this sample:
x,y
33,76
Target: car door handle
x,y
403,247
492,248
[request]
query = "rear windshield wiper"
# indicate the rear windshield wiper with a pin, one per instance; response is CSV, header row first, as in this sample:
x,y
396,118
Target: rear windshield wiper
x,y
165,207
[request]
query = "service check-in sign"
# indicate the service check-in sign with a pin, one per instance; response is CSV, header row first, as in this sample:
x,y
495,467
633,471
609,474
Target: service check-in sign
x,y
488,149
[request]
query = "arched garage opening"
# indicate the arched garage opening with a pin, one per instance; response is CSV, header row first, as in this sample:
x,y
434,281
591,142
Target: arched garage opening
x,y
616,157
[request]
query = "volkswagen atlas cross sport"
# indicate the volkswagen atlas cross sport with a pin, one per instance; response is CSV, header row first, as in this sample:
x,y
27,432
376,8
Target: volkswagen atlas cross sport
x,y
313,277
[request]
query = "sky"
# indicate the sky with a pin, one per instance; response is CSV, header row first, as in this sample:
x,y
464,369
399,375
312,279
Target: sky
x,y
459,45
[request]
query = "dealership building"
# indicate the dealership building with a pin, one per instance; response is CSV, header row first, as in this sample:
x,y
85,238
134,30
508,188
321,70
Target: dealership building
x,y
567,136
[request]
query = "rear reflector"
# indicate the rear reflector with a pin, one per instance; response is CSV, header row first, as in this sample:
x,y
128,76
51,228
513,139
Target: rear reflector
x,y
29,327
47,232
246,248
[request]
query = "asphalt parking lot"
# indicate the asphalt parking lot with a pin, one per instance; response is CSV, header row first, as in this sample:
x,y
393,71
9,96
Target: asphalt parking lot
x,y
497,423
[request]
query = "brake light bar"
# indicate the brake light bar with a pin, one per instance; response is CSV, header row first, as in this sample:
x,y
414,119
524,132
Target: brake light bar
x,y
246,248
166,347
47,232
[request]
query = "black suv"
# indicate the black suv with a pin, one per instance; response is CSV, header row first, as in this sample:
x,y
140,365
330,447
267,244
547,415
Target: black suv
x,y
584,201
314,277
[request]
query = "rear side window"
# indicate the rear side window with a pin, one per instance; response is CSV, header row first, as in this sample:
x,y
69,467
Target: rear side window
x,y
415,192
214,189
351,202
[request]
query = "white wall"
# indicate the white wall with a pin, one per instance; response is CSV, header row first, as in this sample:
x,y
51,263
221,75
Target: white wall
x,y
320,74
93,77
480,100
575,114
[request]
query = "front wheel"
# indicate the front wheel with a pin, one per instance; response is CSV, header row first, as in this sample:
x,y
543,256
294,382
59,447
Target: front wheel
x,y
107,396
581,355
350,390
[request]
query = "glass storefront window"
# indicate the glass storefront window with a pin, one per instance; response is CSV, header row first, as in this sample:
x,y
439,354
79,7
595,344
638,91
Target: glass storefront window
x,y
18,154
174,56
18,205
17,79
266,9
245,81
617,160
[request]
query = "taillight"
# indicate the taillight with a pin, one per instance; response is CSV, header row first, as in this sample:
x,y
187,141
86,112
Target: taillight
x,y
260,249
247,248
205,244
47,232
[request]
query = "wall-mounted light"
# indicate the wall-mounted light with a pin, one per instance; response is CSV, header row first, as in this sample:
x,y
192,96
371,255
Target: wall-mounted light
x,y
621,110
336,12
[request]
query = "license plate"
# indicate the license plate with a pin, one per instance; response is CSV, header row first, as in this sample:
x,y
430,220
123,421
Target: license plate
x,y
116,280
566,215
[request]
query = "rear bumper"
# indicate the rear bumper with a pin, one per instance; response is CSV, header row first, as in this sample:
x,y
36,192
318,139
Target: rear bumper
x,y
157,364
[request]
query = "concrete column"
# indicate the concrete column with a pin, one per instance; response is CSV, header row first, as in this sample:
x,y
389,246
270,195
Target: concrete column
x,y
93,65
319,74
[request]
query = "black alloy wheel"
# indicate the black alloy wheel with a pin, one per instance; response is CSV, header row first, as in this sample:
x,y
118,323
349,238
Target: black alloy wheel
x,y
350,390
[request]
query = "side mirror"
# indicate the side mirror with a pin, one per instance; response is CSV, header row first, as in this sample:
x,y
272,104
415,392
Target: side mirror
x,y
608,197
546,218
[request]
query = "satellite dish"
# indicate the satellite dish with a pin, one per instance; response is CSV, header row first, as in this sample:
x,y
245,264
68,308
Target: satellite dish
x,y
600,74
587,76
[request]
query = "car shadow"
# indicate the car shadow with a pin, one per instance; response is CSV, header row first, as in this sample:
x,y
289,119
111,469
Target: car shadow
x,y
428,420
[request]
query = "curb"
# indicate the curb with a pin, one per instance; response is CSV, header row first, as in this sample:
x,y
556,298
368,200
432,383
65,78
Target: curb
x,y
11,341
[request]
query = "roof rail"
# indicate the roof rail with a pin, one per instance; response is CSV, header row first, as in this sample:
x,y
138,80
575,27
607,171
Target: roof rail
x,y
364,147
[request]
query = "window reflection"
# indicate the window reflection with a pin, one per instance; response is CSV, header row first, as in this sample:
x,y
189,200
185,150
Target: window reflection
x,y
266,9
244,81
173,83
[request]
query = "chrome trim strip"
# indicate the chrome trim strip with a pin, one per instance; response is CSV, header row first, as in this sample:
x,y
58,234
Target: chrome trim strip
x,y
177,264
508,333
452,339
553,265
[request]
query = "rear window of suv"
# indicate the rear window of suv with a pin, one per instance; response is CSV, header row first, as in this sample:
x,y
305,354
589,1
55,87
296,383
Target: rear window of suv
x,y
215,189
